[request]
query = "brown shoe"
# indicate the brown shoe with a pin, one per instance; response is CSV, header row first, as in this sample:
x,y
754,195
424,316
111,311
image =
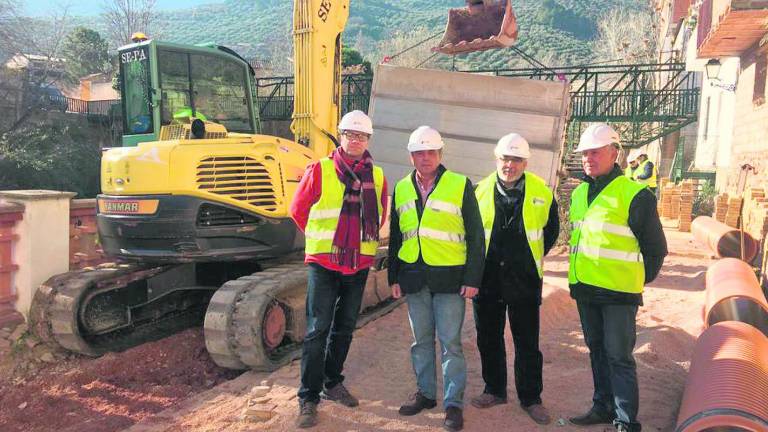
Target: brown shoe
x,y
340,394
307,415
454,419
538,413
487,400
416,403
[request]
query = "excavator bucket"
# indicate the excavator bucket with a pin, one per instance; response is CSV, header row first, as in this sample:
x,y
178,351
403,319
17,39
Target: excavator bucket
x,y
482,25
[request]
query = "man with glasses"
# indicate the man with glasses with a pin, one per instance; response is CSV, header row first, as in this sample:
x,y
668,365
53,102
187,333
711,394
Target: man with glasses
x,y
521,224
339,205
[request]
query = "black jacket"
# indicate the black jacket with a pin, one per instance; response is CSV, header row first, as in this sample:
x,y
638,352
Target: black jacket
x,y
646,226
449,279
510,271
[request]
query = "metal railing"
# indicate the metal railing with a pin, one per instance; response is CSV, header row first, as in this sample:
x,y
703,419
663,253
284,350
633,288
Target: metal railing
x,y
275,95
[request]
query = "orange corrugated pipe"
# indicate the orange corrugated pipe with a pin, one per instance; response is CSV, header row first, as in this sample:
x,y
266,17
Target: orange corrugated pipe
x,y
734,294
722,240
727,386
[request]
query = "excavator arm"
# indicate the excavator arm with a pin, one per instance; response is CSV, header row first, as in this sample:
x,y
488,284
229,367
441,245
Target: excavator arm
x,y
317,28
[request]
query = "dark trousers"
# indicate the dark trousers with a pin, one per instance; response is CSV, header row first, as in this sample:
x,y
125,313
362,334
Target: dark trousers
x,y
333,304
490,319
610,333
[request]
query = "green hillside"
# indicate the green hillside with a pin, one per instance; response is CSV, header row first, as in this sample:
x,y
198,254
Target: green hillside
x,y
559,30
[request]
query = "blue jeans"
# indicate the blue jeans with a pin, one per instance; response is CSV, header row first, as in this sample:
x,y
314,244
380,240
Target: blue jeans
x,y
428,312
610,333
333,304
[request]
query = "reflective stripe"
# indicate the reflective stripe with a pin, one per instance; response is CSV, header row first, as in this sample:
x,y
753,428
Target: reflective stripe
x,y
410,234
534,235
405,207
605,226
488,233
443,206
320,235
441,235
608,253
325,214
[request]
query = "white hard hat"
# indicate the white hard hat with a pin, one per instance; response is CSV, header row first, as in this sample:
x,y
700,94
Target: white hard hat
x,y
356,121
425,138
597,135
633,155
513,145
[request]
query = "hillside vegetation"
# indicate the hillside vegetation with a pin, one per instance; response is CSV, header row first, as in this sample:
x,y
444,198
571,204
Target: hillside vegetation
x,y
556,31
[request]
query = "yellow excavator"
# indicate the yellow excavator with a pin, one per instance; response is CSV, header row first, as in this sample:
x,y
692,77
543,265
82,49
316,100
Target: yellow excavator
x,y
194,206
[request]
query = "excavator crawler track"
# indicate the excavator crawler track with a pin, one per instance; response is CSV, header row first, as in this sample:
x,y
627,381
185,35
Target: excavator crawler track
x,y
237,321
57,312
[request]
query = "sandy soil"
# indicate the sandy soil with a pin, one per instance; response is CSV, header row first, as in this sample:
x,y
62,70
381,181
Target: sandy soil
x,y
378,369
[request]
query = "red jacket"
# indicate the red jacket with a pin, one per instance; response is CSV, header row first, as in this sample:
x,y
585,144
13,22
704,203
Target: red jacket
x,y
307,194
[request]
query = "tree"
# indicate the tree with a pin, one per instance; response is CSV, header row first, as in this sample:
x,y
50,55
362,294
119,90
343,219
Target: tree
x,y
627,35
85,53
35,45
126,17
350,57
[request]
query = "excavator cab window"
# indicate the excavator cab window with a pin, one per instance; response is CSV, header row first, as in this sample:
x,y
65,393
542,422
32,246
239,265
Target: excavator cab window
x,y
208,87
136,91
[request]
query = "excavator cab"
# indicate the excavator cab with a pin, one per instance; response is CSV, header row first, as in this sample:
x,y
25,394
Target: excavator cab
x,y
481,25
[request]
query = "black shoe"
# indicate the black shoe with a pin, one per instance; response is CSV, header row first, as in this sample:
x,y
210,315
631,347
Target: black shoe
x,y
416,403
454,419
340,394
307,414
592,417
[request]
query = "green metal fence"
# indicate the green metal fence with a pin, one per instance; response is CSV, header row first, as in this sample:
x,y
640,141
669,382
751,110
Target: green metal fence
x,y
275,95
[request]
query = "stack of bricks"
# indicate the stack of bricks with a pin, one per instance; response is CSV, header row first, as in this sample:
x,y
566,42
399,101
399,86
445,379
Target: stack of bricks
x,y
670,201
755,220
663,184
755,214
687,192
732,212
721,207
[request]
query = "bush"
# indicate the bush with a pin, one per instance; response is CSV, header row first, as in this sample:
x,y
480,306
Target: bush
x,y
704,202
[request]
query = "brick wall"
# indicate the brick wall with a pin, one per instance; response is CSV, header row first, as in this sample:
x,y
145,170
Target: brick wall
x,y
750,134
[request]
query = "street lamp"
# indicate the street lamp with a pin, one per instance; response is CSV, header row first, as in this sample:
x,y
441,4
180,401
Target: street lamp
x,y
712,69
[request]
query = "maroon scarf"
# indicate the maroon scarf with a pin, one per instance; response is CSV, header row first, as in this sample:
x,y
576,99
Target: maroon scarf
x,y
357,178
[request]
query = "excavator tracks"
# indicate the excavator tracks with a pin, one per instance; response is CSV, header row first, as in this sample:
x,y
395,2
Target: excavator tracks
x,y
258,322
63,310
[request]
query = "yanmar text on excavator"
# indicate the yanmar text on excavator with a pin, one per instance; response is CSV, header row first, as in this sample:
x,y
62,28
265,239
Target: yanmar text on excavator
x,y
194,206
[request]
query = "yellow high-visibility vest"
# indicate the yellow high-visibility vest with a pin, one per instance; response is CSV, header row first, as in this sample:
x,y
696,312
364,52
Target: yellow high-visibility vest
x,y
439,236
604,250
324,214
536,204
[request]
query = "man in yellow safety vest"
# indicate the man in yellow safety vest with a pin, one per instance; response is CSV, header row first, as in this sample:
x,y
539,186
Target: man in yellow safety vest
x,y
339,205
521,224
617,246
436,260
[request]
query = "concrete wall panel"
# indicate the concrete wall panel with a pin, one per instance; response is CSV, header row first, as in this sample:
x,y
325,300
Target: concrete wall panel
x,y
471,112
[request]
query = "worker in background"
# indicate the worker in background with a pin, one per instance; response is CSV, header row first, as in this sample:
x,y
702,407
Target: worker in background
x,y
632,165
436,260
617,246
521,224
646,172
340,206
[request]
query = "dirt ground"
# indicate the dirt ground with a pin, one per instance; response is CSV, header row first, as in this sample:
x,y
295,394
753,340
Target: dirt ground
x,y
172,386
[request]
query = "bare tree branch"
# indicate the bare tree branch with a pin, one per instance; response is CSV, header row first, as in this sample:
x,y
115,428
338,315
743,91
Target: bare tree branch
x,y
126,17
